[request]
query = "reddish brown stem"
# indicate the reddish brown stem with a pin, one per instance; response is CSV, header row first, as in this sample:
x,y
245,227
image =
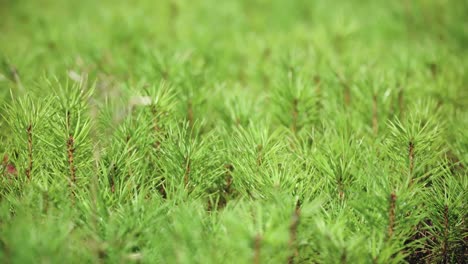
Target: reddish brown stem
x,y
190,112
238,122
156,128
174,14
71,159
401,102
156,144
434,69
187,171
391,215
341,192
71,155
344,257
411,157
226,191
446,232
257,248
30,152
113,173
259,155
375,120
229,169
347,93
346,89
318,91
295,114
295,219
162,190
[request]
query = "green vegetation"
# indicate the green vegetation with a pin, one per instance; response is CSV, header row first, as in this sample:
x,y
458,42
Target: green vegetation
x,y
247,131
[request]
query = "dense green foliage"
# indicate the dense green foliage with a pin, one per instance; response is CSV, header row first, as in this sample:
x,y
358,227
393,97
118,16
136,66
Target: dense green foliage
x,y
250,131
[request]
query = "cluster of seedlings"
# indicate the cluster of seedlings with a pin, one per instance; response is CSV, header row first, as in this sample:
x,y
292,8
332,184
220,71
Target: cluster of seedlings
x,y
182,145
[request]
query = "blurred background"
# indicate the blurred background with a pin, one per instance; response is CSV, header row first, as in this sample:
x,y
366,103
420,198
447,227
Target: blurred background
x,y
122,40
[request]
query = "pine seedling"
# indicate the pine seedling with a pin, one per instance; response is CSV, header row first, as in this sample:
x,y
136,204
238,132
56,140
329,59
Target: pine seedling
x,y
296,103
307,162
258,231
375,94
130,235
122,167
188,167
414,144
329,241
187,74
392,213
132,161
71,160
27,122
336,162
237,110
445,228
253,151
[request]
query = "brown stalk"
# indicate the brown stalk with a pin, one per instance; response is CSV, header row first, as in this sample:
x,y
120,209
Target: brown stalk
x,y
295,219
411,157
344,257
238,122
259,155
375,120
257,248
156,128
347,95
71,156
229,169
187,171
434,69
318,92
4,164
173,17
446,229
190,112
156,144
391,214
295,114
401,102
341,192
113,173
347,89
30,152
226,191
71,159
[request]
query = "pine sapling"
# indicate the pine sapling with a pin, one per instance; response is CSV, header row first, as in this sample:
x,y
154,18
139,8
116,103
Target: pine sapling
x,y
295,103
27,121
